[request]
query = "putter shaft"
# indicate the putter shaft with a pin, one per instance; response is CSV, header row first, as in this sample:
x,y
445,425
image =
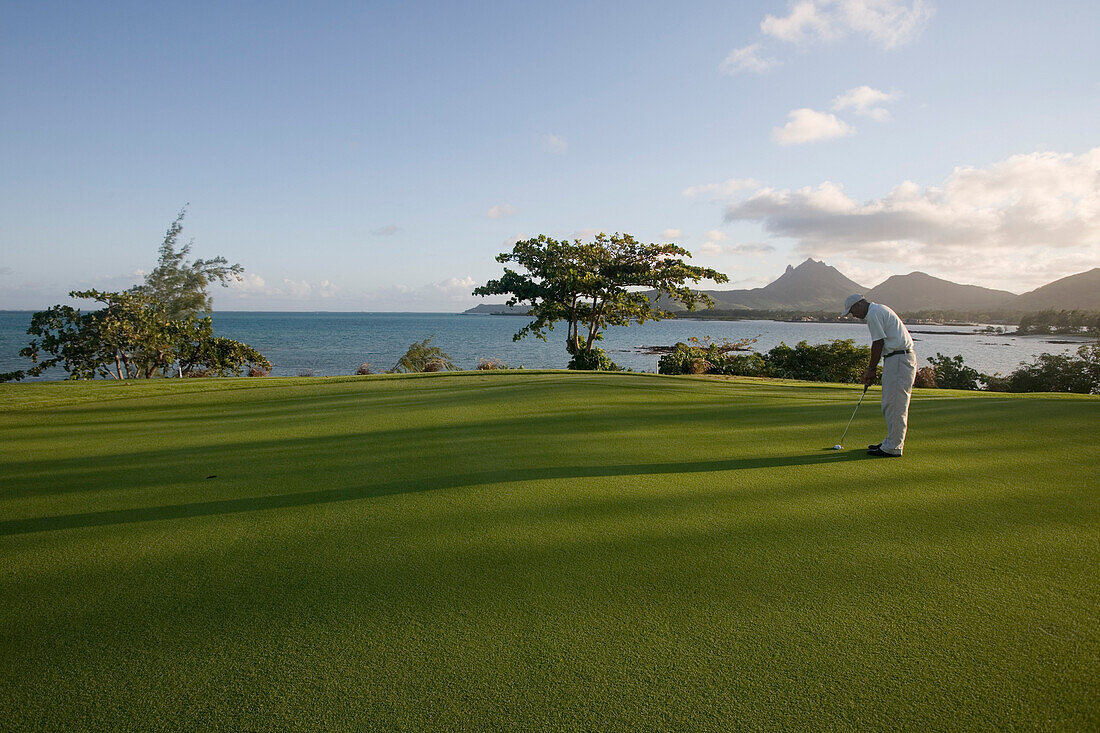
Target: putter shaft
x,y
853,417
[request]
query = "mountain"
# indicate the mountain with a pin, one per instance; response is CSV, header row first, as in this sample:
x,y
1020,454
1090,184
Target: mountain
x,y
815,286
811,286
1076,292
499,309
919,291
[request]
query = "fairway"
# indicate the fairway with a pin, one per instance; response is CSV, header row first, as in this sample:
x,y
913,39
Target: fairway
x,y
544,551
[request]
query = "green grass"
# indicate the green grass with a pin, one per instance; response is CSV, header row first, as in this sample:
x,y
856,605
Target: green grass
x,y
525,551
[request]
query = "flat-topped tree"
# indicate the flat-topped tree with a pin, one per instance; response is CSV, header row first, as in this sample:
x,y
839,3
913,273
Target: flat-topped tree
x,y
593,285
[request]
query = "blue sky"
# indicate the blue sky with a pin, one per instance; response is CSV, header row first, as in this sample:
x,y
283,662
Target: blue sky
x,y
377,156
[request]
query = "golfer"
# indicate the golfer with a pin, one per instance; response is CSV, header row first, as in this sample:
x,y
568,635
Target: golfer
x,y
890,341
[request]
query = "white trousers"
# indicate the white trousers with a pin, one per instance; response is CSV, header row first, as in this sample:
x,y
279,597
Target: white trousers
x,y
898,373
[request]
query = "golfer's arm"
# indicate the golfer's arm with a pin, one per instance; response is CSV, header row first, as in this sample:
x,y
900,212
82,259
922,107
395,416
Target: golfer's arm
x,y
876,354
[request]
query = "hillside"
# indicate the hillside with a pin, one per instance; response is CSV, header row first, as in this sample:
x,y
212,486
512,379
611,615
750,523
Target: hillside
x,y
919,291
816,286
498,309
1080,292
811,285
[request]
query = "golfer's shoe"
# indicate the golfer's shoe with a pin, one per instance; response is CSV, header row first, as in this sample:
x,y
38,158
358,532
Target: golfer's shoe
x,y
876,446
878,452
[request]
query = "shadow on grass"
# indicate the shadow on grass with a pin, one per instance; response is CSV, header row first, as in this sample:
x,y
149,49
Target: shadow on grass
x,y
353,493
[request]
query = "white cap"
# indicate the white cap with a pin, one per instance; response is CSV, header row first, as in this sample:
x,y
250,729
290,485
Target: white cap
x,y
849,302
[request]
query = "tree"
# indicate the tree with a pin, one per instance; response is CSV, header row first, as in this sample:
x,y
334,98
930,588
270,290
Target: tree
x,y
587,285
424,358
178,287
952,373
129,338
1059,373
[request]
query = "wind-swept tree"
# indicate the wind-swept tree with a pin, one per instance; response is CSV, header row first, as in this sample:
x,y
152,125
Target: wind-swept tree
x,y
128,338
423,357
592,285
177,287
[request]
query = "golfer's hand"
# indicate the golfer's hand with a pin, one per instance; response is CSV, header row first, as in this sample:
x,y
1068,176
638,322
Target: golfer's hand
x,y
869,377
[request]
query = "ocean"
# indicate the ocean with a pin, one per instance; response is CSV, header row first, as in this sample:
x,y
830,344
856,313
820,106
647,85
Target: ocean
x,y
337,343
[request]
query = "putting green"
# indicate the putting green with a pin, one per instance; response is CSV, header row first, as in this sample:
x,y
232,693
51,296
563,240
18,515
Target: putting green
x,y
547,550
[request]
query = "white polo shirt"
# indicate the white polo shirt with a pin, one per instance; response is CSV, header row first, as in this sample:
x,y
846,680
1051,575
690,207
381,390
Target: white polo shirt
x,y
885,324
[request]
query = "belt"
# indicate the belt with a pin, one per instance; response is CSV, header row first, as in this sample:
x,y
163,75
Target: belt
x,y
895,353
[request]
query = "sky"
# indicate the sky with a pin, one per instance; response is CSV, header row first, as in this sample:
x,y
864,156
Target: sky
x,y
377,156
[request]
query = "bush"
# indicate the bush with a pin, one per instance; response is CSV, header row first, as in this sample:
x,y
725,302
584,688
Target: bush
x,y
836,361
711,357
593,360
1078,373
926,378
488,364
364,368
839,360
951,373
255,371
421,357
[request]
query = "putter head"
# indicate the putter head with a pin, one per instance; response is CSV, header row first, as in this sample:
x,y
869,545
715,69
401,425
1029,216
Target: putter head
x,y
838,447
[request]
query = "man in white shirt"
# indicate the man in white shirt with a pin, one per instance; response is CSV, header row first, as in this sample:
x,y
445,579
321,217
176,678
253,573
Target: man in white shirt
x,y
890,341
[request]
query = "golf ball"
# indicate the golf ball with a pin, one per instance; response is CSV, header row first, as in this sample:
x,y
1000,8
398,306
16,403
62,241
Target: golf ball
x,y
837,447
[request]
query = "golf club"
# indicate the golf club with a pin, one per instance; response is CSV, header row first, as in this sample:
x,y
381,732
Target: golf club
x,y
840,445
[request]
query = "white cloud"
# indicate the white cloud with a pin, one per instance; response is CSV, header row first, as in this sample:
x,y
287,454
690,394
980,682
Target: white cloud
x,y
463,284
889,23
711,247
554,143
500,211
250,282
863,100
720,190
252,286
672,234
746,59
807,126
387,231
113,283
714,236
1018,223
296,289
586,233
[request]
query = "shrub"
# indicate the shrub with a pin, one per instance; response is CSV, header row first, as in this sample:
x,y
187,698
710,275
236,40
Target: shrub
x,y
835,361
488,364
593,360
839,360
256,371
1078,373
951,373
421,356
714,356
926,378
364,368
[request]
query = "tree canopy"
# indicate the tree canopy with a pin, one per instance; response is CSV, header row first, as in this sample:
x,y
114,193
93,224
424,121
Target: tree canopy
x,y
128,338
592,285
178,288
